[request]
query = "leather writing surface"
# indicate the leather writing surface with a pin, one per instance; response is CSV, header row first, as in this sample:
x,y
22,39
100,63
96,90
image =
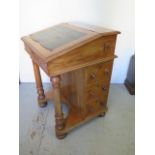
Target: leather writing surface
x,y
57,36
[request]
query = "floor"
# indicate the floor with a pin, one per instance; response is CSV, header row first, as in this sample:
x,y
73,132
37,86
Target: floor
x,y
109,135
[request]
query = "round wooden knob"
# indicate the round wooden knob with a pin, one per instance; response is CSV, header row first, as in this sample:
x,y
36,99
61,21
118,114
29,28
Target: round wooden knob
x,y
93,75
106,71
104,88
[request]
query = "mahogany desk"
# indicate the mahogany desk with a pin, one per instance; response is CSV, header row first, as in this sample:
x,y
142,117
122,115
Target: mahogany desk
x,y
78,60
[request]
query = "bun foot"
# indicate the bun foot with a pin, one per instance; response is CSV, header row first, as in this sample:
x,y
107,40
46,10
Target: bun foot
x,y
102,115
61,136
42,103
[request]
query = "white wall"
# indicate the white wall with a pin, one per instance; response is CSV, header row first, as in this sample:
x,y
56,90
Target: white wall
x,y
116,14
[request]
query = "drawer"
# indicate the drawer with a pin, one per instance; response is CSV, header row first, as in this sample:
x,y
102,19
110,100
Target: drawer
x,y
96,97
97,93
97,103
99,73
93,106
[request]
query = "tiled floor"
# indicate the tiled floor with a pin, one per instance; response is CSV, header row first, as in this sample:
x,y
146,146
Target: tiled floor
x,y
109,135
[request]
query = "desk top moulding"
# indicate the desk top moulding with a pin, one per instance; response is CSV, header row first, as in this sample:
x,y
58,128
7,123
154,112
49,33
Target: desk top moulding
x,y
78,59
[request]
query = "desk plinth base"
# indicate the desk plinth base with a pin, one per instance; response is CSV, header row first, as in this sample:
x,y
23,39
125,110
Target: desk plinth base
x,y
74,118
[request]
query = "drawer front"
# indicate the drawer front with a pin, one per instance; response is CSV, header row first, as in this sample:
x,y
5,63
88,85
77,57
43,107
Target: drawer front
x,y
96,92
98,73
96,97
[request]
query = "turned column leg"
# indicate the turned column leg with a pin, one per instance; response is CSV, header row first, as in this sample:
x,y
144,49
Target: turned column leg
x,y
58,107
41,96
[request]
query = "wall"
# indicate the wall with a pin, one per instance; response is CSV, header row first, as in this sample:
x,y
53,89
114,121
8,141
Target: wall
x,y
119,15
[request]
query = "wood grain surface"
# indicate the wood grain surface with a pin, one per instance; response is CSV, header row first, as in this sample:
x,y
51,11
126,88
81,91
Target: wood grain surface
x,y
79,62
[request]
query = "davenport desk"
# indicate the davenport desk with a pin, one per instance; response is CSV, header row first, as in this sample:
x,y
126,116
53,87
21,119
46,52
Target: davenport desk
x,y
78,60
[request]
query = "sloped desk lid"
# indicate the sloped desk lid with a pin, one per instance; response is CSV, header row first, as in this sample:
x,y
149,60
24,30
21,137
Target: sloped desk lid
x,y
59,39
57,36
